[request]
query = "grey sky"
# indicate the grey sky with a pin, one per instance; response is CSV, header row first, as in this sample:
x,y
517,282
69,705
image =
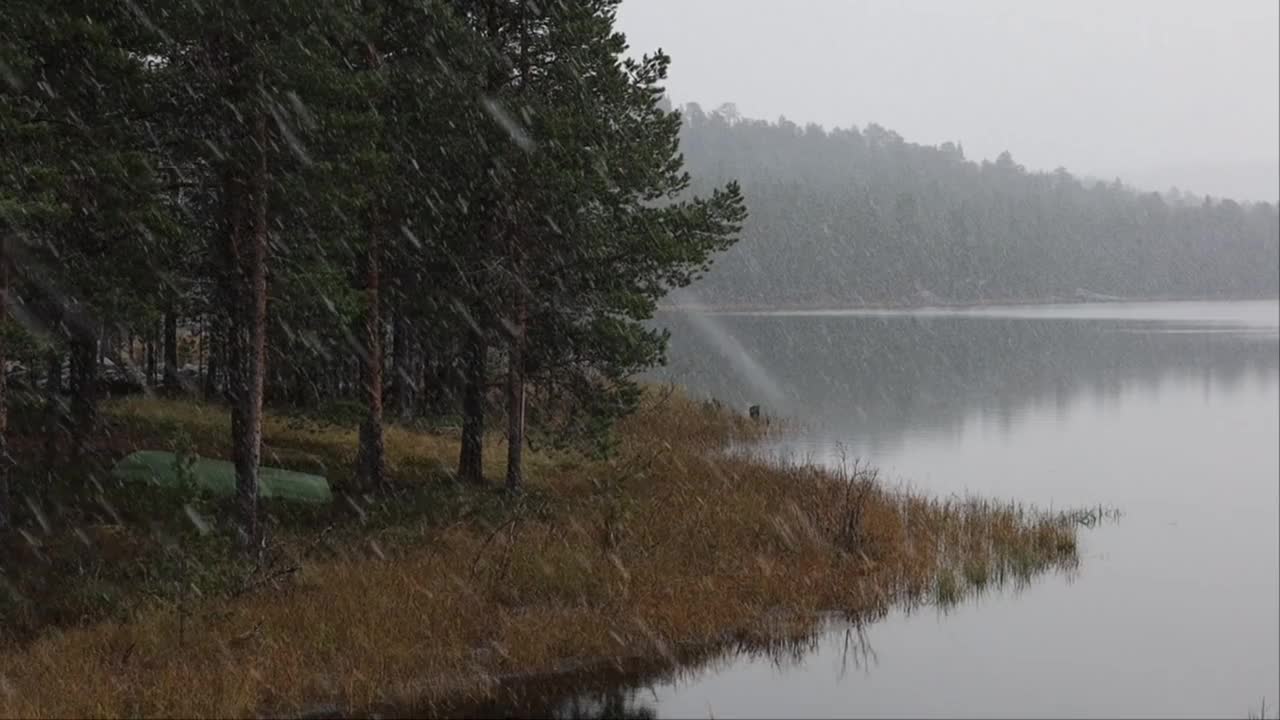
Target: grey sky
x,y
1159,92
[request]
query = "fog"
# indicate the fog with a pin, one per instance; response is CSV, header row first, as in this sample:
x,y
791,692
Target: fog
x,y
1160,93
441,358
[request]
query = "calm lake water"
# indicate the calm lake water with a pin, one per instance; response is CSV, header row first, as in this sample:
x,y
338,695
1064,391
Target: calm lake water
x,y
1168,411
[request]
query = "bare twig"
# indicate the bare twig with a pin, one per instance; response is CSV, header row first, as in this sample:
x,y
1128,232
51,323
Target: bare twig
x,y
475,562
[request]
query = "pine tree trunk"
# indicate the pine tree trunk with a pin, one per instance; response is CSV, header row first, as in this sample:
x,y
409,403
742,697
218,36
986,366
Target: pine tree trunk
x,y
170,351
471,456
202,337
246,428
215,354
515,385
402,377
84,390
436,387
515,417
5,504
149,350
234,300
370,460
244,289
52,408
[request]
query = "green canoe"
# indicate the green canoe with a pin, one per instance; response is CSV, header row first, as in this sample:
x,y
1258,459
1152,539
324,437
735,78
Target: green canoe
x,y
219,477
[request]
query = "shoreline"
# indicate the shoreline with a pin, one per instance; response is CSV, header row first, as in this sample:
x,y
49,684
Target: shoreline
x,y
940,304
435,596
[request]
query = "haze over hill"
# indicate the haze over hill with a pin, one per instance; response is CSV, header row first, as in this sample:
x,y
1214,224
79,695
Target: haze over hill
x,y
1158,92
860,216
1257,180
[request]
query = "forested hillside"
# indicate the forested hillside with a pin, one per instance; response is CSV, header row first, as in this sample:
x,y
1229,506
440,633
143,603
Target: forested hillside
x,y
853,216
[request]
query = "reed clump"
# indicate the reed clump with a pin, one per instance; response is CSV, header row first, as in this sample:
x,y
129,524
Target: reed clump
x,y
437,591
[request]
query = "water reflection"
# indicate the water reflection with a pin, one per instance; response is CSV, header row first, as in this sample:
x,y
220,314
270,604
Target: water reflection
x,y
872,382
623,687
1170,411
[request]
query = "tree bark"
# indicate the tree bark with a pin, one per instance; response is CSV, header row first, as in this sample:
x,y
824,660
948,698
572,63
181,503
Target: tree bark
x,y
370,460
170,351
5,503
515,380
471,455
149,350
515,416
430,386
215,355
202,337
247,440
84,390
246,271
402,376
52,408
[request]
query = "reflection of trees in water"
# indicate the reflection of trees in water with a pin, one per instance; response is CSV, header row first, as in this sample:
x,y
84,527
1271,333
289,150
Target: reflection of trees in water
x,y
891,373
615,703
626,687
559,700
881,376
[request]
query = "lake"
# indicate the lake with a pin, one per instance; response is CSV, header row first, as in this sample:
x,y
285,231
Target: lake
x,y
1169,412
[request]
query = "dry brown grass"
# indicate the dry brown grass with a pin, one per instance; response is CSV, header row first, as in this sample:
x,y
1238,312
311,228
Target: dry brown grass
x,y
671,543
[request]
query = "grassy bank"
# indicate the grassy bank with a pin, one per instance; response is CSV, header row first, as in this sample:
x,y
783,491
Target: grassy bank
x,y
428,592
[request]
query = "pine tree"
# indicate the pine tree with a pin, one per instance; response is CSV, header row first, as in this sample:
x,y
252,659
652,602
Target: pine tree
x,y
241,66
83,212
588,221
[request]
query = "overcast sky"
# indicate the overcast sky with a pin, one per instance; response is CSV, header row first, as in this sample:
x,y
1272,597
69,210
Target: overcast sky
x,y
1159,92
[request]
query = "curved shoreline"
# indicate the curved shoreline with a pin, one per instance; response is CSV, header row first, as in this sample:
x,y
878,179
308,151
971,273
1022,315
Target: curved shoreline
x,y
669,545
939,304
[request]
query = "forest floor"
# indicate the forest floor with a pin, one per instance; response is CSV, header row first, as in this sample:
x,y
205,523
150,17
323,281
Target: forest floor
x,y
428,593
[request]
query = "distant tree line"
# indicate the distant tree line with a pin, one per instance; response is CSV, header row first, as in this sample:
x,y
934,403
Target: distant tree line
x,y
368,201
852,216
